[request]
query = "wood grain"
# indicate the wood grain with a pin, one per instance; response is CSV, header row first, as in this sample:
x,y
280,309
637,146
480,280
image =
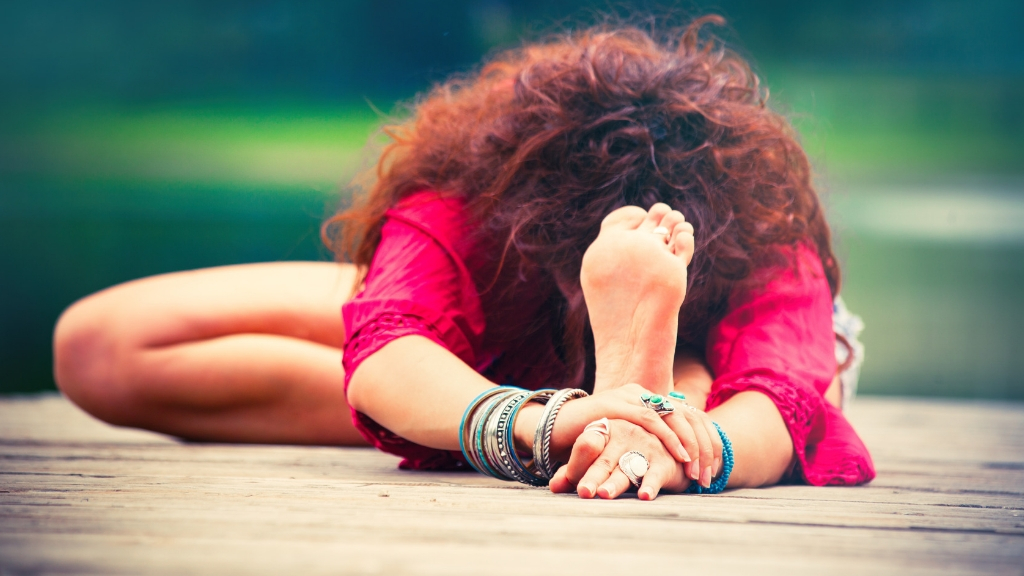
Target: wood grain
x,y
79,496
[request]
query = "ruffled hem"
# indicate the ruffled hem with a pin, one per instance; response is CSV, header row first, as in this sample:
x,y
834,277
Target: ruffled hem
x,y
828,450
382,330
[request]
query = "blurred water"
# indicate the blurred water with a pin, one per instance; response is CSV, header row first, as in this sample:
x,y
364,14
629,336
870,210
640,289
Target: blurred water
x,y
935,273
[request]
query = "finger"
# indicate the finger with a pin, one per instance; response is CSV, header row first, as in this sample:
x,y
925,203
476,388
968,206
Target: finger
x,y
559,484
706,459
716,443
585,451
650,421
654,216
684,431
655,480
615,486
596,475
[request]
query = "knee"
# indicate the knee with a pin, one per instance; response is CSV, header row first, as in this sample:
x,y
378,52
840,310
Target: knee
x,y
87,360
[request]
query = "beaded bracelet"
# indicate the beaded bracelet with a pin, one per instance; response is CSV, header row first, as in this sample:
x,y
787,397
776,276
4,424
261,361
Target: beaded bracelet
x,y
723,478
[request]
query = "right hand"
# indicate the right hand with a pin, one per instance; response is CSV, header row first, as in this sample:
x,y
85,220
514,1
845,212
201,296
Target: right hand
x,y
593,469
686,434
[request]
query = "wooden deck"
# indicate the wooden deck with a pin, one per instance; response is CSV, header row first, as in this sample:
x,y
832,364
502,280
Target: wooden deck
x,y
78,496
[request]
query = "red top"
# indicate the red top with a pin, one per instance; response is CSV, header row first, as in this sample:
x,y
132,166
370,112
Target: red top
x,y
433,276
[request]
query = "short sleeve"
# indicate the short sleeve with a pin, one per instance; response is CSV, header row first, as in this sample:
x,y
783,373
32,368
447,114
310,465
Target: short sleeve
x,y
778,340
417,284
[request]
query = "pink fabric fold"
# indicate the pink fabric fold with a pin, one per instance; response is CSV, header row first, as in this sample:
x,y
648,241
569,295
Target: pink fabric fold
x,y
778,340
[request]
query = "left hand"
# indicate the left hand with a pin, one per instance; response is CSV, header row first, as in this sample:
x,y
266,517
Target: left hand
x,y
593,468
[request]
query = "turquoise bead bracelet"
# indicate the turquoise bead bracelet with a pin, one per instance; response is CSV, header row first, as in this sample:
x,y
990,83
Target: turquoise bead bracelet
x,y
723,478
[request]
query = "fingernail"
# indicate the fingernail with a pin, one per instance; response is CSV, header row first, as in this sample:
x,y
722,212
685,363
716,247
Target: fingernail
x,y
585,491
645,494
695,470
705,478
683,453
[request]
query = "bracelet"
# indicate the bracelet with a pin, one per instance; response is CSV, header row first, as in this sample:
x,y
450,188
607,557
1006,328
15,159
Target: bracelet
x,y
545,426
470,429
723,478
525,472
495,449
486,433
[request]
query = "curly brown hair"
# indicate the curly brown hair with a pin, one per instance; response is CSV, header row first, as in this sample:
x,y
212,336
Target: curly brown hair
x,y
545,140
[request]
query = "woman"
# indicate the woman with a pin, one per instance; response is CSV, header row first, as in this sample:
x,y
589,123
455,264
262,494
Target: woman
x,y
601,211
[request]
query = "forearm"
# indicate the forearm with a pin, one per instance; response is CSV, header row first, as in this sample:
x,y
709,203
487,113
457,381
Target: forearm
x,y
416,389
691,377
762,446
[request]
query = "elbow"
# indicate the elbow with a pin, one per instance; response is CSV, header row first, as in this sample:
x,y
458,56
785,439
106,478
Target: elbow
x,y
360,388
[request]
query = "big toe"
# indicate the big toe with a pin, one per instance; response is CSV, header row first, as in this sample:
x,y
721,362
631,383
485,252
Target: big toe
x,y
626,217
654,217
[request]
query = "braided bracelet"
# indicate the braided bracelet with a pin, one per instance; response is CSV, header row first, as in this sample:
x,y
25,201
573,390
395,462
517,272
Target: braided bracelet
x,y
723,478
545,427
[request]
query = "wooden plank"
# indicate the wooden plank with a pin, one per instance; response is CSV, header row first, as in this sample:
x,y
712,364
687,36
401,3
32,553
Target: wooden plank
x,y
80,496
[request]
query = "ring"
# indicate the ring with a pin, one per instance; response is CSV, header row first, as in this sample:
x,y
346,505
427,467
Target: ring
x,y
634,465
660,230
599,426
658,403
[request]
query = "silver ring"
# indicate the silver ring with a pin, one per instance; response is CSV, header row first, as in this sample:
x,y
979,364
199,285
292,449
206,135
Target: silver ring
x,y
634,465
658,403
661,231
599,426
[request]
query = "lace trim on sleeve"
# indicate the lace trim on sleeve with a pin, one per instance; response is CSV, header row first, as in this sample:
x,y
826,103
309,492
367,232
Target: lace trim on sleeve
x,y
372,337
381,331
806,416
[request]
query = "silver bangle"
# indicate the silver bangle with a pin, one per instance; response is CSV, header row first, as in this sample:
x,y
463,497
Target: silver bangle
x,y
471,433
493,442
525,472
481,435
545,426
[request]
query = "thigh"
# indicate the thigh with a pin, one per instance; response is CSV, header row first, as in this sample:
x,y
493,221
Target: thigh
x,y
296,299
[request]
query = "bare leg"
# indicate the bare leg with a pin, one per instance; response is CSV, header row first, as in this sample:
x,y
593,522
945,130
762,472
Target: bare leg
x,y
240,353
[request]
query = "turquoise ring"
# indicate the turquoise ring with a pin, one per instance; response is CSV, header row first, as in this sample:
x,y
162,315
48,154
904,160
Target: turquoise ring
x,y
658,403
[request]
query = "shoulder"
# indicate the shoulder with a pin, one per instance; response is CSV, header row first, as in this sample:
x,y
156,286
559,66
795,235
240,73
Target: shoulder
x,y
788,269
439,215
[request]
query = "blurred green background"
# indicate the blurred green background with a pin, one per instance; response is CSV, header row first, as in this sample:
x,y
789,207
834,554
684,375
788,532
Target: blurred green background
x,y
139,138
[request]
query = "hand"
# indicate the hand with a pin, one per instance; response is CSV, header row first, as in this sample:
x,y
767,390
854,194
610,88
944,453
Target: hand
x,y
621,403
687,434
696,426
593,468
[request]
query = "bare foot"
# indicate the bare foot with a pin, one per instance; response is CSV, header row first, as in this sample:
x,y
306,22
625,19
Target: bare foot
x,y
634,282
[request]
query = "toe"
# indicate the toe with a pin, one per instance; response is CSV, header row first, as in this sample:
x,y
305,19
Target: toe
x,y
681,241
670,221
654,217
628,217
